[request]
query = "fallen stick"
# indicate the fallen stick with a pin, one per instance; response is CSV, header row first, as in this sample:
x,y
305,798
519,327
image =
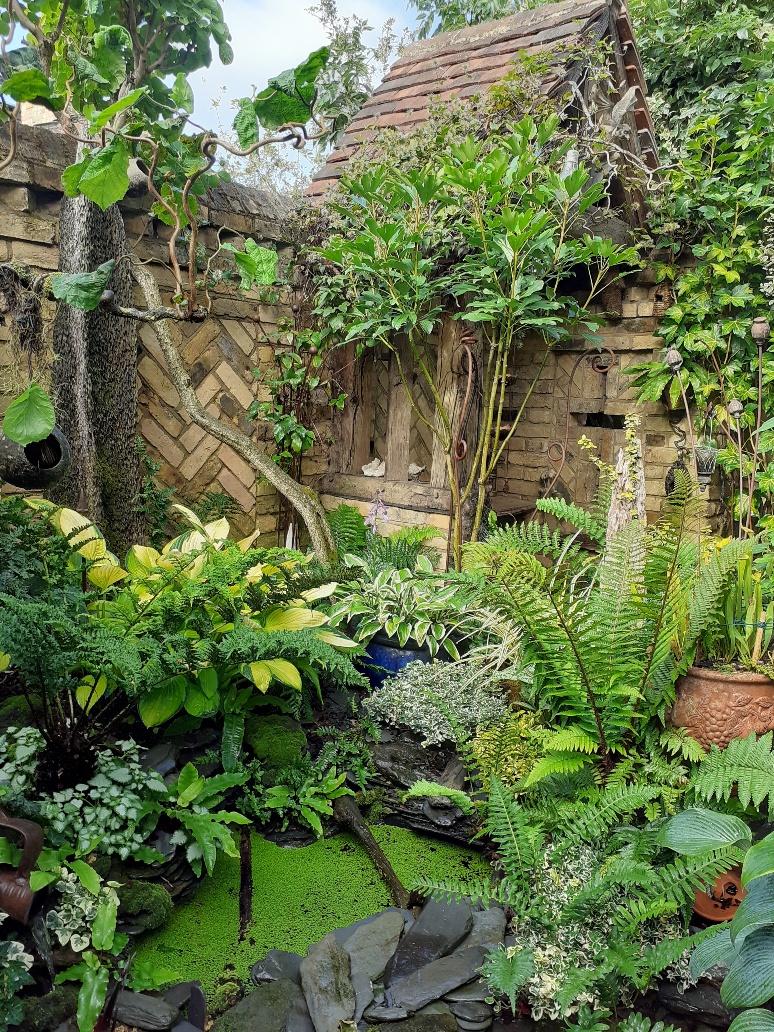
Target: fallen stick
x,y
346,811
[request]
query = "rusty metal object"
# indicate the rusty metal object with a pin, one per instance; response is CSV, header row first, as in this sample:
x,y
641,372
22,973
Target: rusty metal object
x,y
716,707
719,901
601,362
16,895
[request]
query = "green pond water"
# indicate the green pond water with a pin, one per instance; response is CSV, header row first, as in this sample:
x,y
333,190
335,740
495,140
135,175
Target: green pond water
x,y
299,896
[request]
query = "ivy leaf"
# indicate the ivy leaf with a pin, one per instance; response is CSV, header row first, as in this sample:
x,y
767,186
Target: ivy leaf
x,y
30,417
106,178
246,124
82,290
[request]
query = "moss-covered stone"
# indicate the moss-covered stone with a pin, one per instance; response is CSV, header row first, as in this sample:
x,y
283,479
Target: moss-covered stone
x,y
43,1013
144,905
15,712
276,740
299,896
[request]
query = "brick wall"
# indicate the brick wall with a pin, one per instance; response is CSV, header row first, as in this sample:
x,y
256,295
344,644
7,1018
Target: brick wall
x,y
220,353
596,399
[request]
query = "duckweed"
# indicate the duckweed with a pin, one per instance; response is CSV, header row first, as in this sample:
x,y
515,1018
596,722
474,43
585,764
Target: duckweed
x,y
299,896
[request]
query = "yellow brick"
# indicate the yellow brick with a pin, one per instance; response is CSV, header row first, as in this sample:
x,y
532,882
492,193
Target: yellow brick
x,y
235,385
236,489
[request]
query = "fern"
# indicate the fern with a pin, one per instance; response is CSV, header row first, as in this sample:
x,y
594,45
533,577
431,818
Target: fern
x,y
508,824
596,819
591,523
635,1022
508,973
348,529
423,789
231,740
486,892
746,764
535,539
401,550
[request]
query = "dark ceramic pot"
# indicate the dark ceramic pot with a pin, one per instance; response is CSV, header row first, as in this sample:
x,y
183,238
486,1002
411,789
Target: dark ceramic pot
x,y
38,465
715,706
386,657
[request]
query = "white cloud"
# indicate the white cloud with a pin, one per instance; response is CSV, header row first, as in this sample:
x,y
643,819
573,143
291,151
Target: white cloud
x,y
269,36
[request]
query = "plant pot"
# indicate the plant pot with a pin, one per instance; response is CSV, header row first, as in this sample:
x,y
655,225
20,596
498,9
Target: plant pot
x,y
387,657
38,465
719,901
715,706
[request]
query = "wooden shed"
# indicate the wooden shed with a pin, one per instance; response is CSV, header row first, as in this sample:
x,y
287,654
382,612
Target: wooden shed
x,y
579,393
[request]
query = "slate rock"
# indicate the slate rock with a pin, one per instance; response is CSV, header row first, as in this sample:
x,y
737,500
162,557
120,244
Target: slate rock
x,y
299,1019
453,774
342,934
186,1026
378,1013
436,979
702,1002
401,763
265,1008
424,1023
435,933
329,994
178,995
471,1010
150,1013
441,816
276,965
370,948
488,930
474,1026
477,990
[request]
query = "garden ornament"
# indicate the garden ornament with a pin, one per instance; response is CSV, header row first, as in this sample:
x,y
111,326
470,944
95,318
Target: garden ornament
x,y
35,466
16,895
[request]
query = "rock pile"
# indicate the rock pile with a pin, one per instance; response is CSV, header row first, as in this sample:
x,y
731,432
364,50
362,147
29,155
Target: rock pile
x,y
388,971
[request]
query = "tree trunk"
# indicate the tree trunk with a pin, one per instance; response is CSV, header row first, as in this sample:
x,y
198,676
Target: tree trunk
x,y
95,379
303,499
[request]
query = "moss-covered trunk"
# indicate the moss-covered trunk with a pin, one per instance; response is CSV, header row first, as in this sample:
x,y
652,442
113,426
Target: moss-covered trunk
x,y
95,378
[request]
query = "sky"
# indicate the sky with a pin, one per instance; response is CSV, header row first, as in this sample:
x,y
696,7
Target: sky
x,y
269,36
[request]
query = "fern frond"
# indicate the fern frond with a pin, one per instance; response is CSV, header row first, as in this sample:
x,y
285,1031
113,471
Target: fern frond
x,y
348,529
519,840
423,789
557,763
508,974
596,819
571,739
454,891
589,522
746,764
677,741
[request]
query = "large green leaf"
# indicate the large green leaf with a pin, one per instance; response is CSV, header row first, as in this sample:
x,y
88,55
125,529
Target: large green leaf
x,y
256,264
83,289
162,702
718,949
108,113
103,927
30,84
246,124
231,741
759,860
106,178
87,876
91,998
750,982
756,909
30,417
290,95
754,1020
696,831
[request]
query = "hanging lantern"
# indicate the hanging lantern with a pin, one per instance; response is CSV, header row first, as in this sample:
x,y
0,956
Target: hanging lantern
x,y
706,454
36,466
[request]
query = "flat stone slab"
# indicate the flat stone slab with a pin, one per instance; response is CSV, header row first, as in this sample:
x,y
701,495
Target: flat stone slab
x,y
423,1023
342,934
435,980
265,1008
276,965
471,1010
435,933
370,948
329,994
477,990
488,930
150,1013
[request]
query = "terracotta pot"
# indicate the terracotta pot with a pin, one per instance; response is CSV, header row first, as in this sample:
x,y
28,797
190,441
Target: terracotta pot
x,y
715,706
719,901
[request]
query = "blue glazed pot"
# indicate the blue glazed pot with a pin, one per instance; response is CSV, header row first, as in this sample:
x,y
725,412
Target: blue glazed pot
x,y
387,657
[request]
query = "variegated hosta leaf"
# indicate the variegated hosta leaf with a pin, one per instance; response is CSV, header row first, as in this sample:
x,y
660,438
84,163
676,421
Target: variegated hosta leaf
x,y
104,574
141,559
292,618
337,641
188,515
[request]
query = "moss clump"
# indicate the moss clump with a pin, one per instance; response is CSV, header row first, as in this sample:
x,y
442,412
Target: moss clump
x,y
299,896
144,905
43,1013
276,740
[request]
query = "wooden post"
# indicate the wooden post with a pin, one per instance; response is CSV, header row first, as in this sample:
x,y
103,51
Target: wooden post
x,y
447,383
399,412
351,449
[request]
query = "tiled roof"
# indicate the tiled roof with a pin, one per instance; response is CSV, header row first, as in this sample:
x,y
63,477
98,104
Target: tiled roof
x,y
462,63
